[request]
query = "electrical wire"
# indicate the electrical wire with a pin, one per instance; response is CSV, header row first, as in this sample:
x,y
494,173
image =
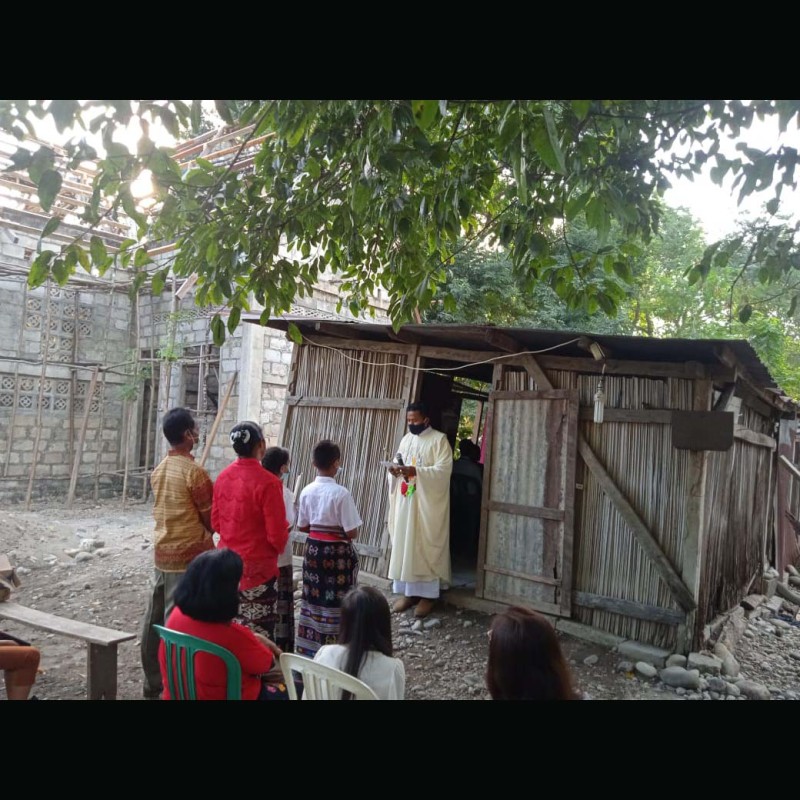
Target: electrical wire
x,y
441,369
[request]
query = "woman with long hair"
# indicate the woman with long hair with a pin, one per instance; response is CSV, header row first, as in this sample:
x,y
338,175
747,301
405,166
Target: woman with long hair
x,y
525,659
206,603
249,515
365,645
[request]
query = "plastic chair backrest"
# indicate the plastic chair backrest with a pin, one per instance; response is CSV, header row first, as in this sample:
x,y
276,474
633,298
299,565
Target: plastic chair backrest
x,y
321,682
181,649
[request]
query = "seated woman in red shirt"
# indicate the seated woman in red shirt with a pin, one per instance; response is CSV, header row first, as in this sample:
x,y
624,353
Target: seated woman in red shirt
x,y
249,515
206,601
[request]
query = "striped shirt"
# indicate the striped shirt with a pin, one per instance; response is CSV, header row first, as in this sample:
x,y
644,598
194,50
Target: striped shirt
x,y
182,491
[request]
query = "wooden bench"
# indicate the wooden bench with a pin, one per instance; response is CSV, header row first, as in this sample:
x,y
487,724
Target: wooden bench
x,y
101,664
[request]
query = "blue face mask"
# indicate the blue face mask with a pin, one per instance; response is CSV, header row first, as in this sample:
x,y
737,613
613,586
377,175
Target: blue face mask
x,y
417,429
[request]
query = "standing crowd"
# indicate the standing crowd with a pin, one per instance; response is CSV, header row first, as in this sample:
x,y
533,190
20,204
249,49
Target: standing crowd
x,y
238,592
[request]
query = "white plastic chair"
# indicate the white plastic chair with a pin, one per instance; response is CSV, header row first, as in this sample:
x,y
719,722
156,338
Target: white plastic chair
x,y
321,682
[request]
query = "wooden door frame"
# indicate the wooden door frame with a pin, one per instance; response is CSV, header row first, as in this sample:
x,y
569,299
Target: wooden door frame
x,y
566,515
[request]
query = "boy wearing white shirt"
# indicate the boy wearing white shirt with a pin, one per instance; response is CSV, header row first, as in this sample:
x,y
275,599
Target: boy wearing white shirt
x,y
328,514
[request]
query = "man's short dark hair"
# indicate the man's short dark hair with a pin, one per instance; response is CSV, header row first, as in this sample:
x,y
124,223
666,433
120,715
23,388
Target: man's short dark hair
x,y
421,407
274,459
325,453
176,422
469,450
209,589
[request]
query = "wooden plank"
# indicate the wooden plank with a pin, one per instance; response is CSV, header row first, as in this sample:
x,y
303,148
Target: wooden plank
x,y
541,394
101,672
525,576
694,540
502,341
642,416
218,419
588,633
534,369
726,395
497,381
388,404
369,550
545,608
655,369
352,344
643,536
753,437
527,511
790,466
66,627
463,356
568,537
628,608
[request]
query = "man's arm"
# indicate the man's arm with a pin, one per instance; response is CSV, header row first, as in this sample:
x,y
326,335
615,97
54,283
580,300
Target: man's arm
x,y
202,493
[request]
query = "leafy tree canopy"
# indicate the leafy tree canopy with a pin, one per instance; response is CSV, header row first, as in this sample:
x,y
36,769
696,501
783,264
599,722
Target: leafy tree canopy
x,y
385,192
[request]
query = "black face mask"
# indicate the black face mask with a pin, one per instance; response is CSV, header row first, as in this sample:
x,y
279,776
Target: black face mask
x,y
417,429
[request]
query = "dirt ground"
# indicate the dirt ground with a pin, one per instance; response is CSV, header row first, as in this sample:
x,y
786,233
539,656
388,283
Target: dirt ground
x,y
445,660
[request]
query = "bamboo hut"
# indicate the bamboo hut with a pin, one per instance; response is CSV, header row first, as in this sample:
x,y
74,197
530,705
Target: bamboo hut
x,y
643,526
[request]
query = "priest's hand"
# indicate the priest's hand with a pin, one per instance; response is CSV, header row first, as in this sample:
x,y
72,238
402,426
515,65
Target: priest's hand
x,y
395,471
408,472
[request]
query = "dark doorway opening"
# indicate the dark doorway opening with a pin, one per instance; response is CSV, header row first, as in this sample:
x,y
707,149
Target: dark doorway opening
x,y
457,399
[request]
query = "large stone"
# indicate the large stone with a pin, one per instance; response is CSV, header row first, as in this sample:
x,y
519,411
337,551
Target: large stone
x,y
733,690
591,660
678,676
708,665
717,685
676,660
84,556
753,691
636,651
752,601
730,666
645,670
793,570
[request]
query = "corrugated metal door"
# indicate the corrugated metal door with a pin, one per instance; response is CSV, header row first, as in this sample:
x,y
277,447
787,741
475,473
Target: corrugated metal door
x,y
525,554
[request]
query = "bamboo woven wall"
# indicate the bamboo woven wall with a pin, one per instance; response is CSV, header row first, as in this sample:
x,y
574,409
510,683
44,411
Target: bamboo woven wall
x,y
739,488
365,436
652,475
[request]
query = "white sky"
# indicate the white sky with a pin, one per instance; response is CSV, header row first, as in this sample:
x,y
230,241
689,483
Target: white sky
x,y
715,207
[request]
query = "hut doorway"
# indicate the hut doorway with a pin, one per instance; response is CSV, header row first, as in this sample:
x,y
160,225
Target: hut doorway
x,y
457,400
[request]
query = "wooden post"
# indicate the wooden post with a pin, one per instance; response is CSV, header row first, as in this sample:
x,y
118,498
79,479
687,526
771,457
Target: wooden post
x,y
218,419
694,540
101,671
127,445
73,481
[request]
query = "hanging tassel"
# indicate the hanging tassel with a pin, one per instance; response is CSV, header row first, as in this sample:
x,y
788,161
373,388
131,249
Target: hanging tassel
x,y
599,399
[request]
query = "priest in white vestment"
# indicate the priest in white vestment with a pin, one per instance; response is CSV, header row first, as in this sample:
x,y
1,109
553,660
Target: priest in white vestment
x,y
419,514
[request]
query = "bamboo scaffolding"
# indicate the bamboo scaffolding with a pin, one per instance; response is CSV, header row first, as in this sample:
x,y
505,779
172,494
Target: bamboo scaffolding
x,y
82,437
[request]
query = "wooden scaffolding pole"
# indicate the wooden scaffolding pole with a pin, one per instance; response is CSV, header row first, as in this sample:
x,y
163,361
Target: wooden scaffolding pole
x,y
223,405
73,481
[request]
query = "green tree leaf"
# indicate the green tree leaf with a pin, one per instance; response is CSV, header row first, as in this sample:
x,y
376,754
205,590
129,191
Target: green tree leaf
x,y
50,227
294,333
48,189
233,318
425,112
218,330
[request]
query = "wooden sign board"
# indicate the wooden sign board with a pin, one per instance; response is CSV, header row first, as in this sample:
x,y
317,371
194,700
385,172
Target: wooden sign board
x,y
702,430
